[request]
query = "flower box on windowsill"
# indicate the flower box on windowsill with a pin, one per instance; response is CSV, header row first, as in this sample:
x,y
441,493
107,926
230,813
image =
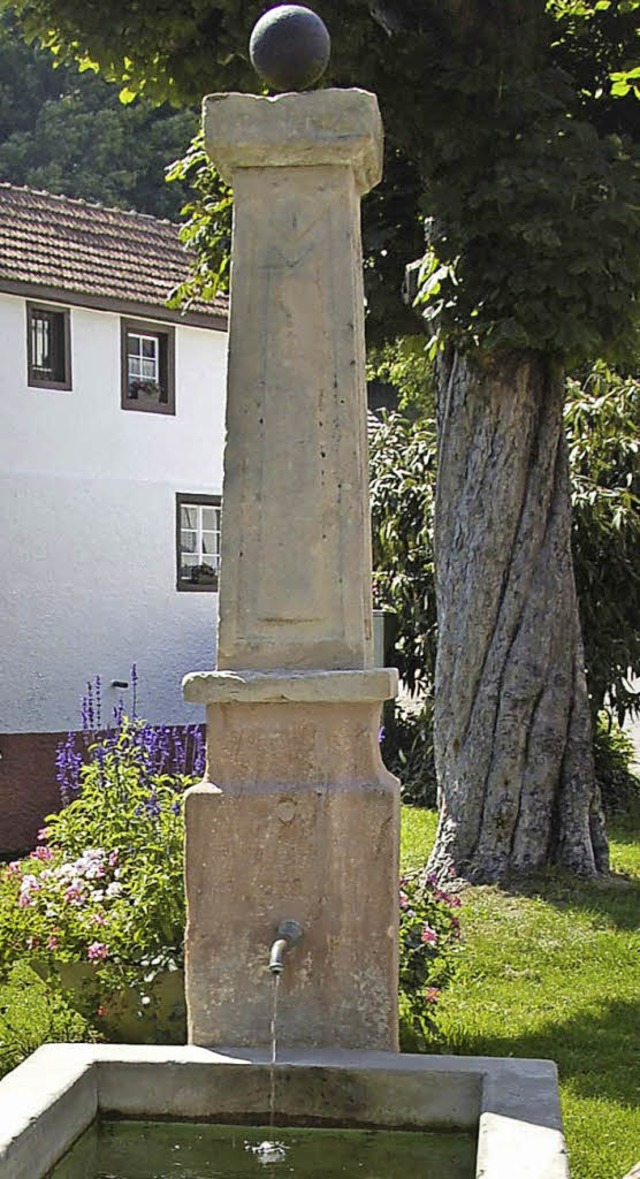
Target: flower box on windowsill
x,y
199,577
145,389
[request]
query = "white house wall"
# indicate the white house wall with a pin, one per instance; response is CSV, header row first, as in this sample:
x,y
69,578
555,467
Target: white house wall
x,y
88,526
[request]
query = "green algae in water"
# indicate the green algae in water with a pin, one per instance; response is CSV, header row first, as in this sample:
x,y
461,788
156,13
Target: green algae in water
x,y
180,1150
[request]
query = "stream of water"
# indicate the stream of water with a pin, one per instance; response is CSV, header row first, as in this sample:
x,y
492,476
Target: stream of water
x,y
274,1051
271,1151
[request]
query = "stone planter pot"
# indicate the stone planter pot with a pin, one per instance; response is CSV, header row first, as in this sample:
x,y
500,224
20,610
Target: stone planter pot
x,y
142,1013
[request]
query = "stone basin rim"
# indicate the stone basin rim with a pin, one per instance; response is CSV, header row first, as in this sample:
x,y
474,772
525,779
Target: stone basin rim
x,y
49,1100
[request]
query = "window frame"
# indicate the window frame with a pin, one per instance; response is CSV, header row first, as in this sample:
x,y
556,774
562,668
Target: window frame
x,y
144,337
186,499
64,314
164,333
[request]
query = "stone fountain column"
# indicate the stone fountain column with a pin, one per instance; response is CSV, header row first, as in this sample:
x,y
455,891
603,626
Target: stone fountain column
x,y
297,817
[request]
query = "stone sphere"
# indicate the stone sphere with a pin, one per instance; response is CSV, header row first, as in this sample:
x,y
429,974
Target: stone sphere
x,y
290,47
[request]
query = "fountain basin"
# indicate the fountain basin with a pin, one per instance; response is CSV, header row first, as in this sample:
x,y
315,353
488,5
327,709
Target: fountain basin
x,y
124,1149
512,1105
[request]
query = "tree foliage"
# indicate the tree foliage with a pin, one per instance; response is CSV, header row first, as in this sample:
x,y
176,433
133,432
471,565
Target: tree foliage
x,y
67,132
403,364
527,163
207,229
534,240
602,34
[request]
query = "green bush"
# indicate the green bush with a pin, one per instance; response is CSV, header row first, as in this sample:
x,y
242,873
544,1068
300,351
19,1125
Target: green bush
x,y
32,1013
407,751
402,486
613,754
602,421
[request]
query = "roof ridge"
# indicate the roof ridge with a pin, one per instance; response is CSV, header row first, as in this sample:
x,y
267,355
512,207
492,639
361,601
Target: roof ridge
x,y
66,243
63,198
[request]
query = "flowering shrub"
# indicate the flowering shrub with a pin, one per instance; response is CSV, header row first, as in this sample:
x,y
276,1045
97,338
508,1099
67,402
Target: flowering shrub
x,y
429,942
104,886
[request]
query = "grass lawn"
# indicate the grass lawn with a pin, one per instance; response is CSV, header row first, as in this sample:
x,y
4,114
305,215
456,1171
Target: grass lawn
x,y
554,972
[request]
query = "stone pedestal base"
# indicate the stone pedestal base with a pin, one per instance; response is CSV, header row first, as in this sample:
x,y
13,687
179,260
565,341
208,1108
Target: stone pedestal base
x,y
297,819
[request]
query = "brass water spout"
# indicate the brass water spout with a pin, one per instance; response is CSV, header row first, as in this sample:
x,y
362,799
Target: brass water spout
x,y
288,935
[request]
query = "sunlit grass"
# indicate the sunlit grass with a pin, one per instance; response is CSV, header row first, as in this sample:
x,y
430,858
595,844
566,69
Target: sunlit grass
x,y
417,833
553,971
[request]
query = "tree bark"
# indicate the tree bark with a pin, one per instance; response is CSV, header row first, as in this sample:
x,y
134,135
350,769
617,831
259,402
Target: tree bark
x,y
512,726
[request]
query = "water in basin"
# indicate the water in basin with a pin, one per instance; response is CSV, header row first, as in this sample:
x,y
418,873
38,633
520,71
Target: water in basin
x,y
181,1150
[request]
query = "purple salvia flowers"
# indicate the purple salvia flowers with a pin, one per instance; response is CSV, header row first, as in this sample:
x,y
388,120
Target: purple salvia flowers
x,y
153,750
84,712
179,751
195,751
152,805
134,690
68,766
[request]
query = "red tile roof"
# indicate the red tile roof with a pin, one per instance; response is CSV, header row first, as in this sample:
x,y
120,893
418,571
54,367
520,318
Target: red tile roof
x,y
85,249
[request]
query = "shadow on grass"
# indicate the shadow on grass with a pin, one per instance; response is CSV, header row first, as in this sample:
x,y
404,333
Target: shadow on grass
x,y
616,898
600,1053
625,829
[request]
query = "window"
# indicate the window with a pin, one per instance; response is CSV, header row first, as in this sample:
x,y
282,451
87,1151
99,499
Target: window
x,y
48,347
148,364
143,360
198,541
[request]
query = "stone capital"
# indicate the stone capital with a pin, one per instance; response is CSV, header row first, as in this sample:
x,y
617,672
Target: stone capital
x,y
335,127
303,687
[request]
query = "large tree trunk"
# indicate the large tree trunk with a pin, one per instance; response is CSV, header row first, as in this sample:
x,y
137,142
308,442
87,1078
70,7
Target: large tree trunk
x,y
512,727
